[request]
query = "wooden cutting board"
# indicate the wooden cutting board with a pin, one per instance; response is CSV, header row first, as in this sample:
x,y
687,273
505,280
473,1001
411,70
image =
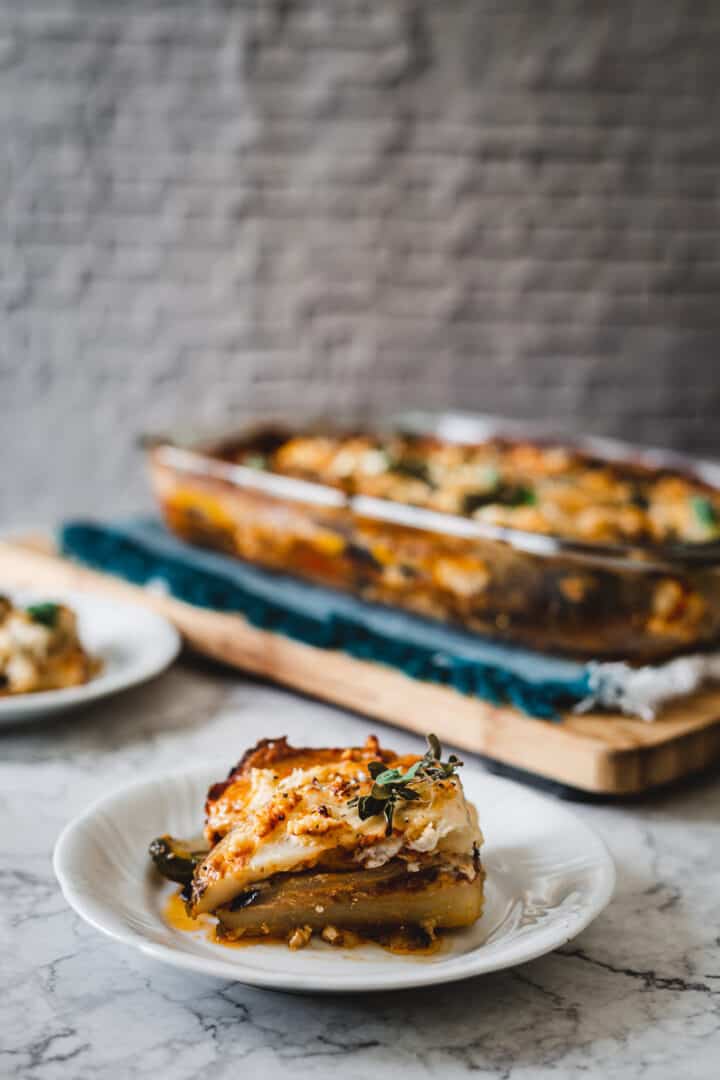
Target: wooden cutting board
x,y
600,753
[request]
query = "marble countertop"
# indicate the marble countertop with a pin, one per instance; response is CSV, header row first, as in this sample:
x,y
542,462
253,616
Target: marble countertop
x,y
636,995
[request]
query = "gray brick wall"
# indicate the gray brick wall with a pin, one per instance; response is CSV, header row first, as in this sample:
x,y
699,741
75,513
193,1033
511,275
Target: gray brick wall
x,y
214,208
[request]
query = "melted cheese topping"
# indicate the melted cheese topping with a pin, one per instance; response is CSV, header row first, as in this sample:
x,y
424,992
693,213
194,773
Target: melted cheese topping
x,y
271,823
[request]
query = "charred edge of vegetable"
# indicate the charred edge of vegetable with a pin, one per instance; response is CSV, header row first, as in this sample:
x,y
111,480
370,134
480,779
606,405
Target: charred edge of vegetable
x,y
245,899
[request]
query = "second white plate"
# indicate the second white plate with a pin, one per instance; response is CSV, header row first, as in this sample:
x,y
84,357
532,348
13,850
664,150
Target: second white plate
x,y
133,643
548,876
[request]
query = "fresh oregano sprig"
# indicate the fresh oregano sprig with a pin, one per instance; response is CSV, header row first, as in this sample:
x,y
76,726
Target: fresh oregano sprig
x,y
391,786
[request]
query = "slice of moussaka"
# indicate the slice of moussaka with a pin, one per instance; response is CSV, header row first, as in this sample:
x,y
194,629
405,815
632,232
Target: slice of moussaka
x,y
40,649
341,842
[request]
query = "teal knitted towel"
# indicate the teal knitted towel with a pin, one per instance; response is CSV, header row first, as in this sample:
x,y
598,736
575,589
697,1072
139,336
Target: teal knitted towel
x,y
143,551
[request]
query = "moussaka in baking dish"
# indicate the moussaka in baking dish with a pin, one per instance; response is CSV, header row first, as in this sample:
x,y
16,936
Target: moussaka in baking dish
x,y
533,540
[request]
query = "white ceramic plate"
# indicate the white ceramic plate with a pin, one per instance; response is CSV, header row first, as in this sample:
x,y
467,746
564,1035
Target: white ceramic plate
x,y
133,643
548,876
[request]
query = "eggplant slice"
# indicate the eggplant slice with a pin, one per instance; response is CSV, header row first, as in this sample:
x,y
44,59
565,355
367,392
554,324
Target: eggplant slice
x,y
364,900
176,859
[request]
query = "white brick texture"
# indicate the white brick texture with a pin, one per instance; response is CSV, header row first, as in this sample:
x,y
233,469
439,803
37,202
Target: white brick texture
x,y
211,209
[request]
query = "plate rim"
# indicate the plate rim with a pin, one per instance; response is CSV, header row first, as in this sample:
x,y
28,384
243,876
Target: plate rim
x,y
17,709
457,968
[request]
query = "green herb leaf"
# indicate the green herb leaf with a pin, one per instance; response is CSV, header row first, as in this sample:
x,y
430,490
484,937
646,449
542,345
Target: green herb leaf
x,y
47,614
391,786
705,512
389,776
502,495
520,495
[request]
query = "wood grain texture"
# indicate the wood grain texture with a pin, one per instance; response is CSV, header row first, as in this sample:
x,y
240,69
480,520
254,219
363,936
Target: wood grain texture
x,y
596,752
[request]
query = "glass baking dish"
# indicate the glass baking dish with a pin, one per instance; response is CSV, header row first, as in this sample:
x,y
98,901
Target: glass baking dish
x,y
592,600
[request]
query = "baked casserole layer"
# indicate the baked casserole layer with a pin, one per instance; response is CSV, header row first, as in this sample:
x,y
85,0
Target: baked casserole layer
x,y
538,544
332,840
